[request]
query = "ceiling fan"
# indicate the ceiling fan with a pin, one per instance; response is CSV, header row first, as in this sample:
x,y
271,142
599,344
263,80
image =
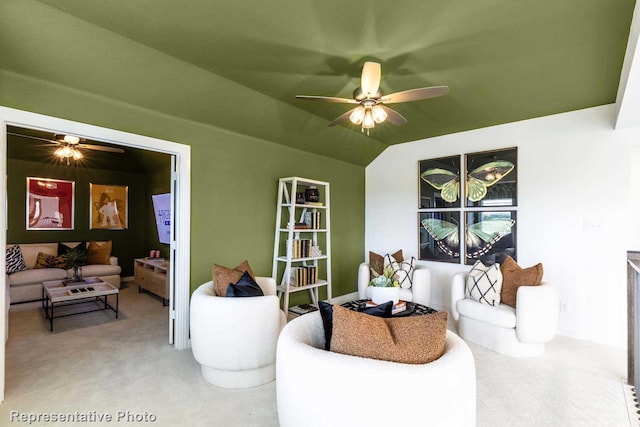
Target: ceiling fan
x,y
70,145
369,96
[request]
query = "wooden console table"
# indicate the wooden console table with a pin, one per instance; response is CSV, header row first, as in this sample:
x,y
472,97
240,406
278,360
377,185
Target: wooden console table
x,y
151,274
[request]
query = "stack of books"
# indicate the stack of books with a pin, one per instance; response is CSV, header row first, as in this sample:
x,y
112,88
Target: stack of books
x,y
312,219
397,308
304,275
301,309
301,248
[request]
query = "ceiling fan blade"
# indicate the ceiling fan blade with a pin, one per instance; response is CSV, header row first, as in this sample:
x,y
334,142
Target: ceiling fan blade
x,y
101,148
370,79
393,116
33,137
327,99
415,94
342,118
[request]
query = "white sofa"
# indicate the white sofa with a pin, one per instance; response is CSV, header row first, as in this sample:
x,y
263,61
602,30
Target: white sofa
x,y
26,285
521,331
419,292
234,338
320,388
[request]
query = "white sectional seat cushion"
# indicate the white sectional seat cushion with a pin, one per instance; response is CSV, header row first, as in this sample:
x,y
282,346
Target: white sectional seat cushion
x,y
97,270
30,252
502,315
37,275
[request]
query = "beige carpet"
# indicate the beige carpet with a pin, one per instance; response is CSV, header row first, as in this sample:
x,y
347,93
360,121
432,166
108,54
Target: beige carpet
x,y
97,365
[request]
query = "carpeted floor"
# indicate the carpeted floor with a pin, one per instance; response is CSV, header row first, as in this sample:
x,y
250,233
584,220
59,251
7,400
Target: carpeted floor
x,y
125,368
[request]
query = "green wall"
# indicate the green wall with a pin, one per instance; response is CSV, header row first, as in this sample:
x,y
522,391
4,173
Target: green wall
x,y
127,244
234,180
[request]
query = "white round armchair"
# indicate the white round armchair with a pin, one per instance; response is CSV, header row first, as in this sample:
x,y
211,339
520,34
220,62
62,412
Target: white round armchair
x,y
234,338
320,388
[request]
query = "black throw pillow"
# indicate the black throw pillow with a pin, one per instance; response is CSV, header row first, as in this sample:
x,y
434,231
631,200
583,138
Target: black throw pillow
x,y
381,310
245,287
82,247
326,312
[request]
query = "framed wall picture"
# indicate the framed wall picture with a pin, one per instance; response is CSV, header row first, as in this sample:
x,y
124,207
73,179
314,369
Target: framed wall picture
x,y
109,206
439,236
490,236
50,204
492,178
439,183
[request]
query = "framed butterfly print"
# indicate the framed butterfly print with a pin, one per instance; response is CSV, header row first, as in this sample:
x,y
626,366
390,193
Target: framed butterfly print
x,y
491,178
439,183
439,236
489,236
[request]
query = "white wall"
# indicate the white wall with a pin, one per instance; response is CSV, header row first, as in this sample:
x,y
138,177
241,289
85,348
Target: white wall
x,y
572,168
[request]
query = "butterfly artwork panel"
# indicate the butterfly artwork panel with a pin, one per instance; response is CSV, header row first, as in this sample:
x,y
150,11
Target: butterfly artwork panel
x,y
439,182
439,236
490,236
491,178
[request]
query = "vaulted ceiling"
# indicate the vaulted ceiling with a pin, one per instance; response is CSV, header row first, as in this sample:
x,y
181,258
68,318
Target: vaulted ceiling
x,y
238,65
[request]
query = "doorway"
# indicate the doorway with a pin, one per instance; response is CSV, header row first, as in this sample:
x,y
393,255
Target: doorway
x,y
179,240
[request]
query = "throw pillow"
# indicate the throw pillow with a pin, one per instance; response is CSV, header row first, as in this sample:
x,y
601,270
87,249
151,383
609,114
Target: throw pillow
x,y
514,276
376,262
50,261
14,261
484,283
98,254
63,249
402,270
415,339
245,287
223,276
326,313
381,310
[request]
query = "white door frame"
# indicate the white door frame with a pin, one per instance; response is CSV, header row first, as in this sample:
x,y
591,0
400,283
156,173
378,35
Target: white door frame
x,y
179,312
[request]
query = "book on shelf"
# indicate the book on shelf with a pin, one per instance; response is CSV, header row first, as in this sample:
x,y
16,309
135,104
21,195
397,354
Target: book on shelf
x,y
300,226
301,248
303,275
315,203
399,307
312,219
303,309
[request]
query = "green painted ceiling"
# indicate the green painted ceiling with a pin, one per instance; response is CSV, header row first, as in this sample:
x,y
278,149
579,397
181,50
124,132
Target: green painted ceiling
x,y
238,65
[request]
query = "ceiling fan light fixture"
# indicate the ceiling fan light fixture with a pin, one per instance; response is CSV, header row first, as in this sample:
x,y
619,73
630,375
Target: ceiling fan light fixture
x,y
77,155
71,139
64,152
357,116
379,115
368,122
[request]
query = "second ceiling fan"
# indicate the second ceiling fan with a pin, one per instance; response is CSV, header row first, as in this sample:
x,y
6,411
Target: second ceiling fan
x,y
371,100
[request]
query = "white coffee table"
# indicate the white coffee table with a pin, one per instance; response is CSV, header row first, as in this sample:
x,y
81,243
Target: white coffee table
x,y
58,293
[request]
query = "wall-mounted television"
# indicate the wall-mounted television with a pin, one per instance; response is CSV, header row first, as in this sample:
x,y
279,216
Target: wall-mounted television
x,y
162,209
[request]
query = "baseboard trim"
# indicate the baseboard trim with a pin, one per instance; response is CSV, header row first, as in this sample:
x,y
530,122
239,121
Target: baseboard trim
x,y
127,279
344,298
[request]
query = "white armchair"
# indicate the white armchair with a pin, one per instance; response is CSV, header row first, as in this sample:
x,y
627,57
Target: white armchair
x,y
316,387
419,292
234,338
521,331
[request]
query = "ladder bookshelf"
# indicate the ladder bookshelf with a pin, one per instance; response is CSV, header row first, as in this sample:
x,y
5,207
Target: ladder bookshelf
x,y
302,253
